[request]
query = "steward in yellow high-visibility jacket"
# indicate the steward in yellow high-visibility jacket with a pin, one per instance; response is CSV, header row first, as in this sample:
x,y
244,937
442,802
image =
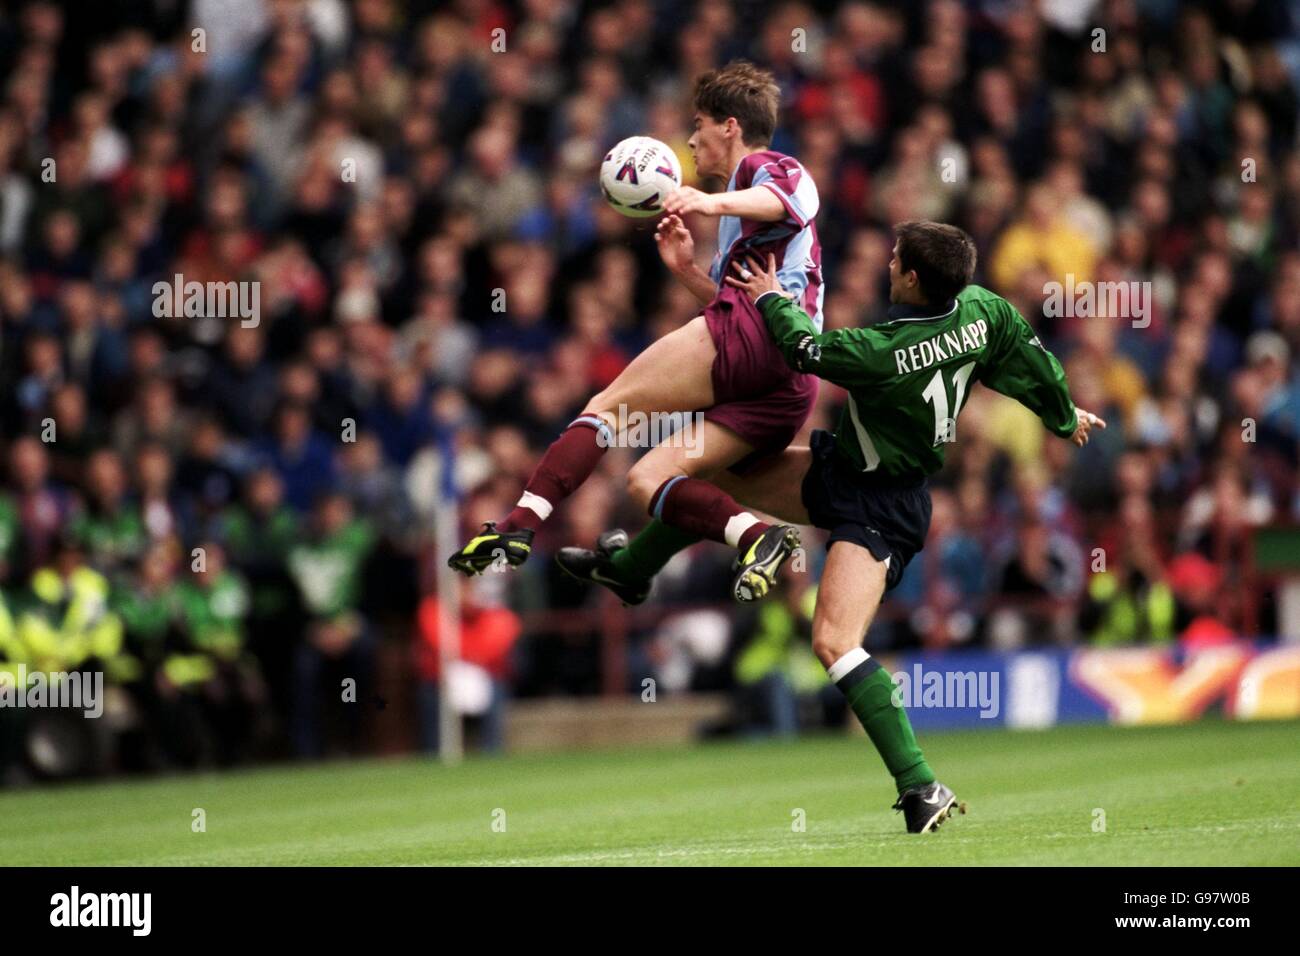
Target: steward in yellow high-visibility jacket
x,y
1128,610
782,644
66,623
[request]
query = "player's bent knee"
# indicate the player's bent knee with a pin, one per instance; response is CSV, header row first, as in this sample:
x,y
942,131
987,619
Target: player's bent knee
x,y
830,645
603,405
643,482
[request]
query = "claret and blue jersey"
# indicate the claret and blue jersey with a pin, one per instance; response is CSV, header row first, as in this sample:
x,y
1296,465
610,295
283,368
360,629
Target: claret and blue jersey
x,y
793,240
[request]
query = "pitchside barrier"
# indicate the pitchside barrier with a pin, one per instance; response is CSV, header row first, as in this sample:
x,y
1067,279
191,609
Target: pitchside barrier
x,y
1026,688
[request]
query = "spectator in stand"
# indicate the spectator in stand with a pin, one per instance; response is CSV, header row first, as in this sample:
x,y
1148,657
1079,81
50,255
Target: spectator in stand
x,y
259,531
302,457
109,528
42,507
338,644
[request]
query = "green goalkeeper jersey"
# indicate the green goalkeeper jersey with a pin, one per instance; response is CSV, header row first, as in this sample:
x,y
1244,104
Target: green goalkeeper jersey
x,y
908,377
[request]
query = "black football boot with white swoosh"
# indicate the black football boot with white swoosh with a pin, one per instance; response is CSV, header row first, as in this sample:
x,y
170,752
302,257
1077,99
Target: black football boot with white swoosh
x,y
595,567
926,807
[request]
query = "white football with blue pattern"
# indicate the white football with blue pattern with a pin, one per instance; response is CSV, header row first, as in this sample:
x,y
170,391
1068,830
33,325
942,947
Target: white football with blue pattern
x,y
638,174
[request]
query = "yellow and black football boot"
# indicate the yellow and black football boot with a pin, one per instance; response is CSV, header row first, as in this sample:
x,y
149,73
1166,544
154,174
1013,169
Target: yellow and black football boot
x,y
491,548
757,568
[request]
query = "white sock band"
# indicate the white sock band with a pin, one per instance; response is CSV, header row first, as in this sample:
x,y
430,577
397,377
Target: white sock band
x,y
846,663
536,504
738,525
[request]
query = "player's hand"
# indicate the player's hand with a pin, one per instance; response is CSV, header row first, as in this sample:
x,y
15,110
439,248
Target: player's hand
x,y
688,199
1087,421
676,245
754,278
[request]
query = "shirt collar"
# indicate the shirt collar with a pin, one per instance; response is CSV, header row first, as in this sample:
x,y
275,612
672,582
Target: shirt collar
x,y
920,313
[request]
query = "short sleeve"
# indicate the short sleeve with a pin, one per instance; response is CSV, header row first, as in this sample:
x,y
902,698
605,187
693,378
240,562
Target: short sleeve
x,y
791,184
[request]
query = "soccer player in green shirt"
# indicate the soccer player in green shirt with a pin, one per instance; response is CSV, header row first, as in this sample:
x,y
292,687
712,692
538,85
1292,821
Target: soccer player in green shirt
x,y
907,379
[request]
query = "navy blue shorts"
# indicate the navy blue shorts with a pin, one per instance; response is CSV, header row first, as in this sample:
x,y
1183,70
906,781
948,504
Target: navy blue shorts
x,y
888,516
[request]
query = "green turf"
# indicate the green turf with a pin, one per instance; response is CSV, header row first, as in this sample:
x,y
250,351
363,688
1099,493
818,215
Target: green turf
x,y
1213,793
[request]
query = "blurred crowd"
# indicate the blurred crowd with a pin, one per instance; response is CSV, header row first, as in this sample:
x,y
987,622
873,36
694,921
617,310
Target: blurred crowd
x,y
235,518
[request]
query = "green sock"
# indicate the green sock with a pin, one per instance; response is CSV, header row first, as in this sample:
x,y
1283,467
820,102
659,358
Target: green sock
x,y
870,692
647,553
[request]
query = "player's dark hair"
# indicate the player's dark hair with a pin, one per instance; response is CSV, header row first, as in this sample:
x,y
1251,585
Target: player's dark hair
x,y
742,90
942,256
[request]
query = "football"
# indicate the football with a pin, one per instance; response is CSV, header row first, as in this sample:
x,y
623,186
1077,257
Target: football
x,y
638,174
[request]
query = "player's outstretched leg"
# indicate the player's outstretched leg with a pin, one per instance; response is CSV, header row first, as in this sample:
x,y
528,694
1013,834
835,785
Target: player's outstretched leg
x,y
756,570
772,488
710,510
628,568
852,585
666,483
703,509
672,375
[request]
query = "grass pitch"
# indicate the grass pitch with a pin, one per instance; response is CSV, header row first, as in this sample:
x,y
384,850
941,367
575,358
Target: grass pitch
x,y
1213,793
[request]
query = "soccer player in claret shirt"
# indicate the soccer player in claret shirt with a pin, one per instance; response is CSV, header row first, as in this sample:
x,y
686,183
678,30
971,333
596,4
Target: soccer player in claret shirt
x,y
723,361
907,379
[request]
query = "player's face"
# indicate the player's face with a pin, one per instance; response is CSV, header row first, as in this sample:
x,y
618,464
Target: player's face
x,y
900,287
708,144
895,275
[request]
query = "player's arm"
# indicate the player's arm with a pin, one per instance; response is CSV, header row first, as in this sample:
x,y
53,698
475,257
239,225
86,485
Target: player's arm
x,y
1023,369
841,356
677,249
756,202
